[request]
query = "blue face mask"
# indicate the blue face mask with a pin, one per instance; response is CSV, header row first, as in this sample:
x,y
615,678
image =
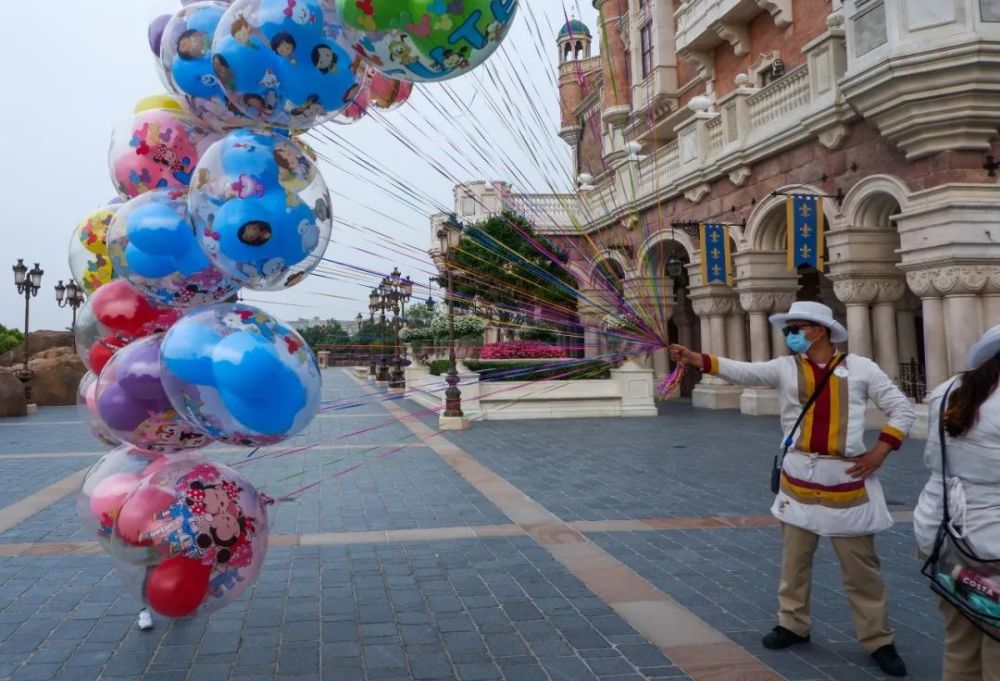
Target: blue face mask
x,y
797,342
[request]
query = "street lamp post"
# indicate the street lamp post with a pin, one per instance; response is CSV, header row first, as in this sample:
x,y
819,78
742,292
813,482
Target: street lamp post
x,y
360,319
391,296
378,298
69,296
372,306
448,233
28,283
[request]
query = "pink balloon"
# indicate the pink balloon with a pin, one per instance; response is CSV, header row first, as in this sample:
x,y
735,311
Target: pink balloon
x,y
138,514
109,494
91,398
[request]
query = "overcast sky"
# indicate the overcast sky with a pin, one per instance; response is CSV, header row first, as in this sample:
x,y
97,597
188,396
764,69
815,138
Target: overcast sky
x,y
69,88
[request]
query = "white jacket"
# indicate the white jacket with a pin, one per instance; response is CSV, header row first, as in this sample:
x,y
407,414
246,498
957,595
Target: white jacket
x,y
816,493
973,478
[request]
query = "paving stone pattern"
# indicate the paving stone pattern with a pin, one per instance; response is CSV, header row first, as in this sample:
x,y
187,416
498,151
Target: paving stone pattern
x,y
499,608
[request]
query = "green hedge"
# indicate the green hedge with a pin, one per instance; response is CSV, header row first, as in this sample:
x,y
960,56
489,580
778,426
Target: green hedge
x,y
527,371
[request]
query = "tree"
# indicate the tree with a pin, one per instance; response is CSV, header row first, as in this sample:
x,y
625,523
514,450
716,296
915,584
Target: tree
x,y
326,334
504,262
9,338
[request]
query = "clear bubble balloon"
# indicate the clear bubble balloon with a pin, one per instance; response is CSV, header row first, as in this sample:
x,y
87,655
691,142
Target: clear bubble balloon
x,y
387,93
421,40
132,403
86,403
106,485
277,64
112,318
186,59
241,375
261,209
152,245
156,149
88,250
206,527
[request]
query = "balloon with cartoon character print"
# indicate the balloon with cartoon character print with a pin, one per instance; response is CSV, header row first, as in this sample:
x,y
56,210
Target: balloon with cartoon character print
x,y
186,59
260,209
88,250
132,403
422,40
240,375
206,526
152,241
156,149
277,64
86,407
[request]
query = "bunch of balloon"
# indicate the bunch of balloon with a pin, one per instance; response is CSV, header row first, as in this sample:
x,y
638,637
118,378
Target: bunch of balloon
x,y
217,193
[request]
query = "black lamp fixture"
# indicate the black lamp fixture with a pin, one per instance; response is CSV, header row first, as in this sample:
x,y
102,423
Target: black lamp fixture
x,y
675,267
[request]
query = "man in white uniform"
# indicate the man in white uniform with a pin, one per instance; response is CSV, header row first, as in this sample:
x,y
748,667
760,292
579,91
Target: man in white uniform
x,y
828,484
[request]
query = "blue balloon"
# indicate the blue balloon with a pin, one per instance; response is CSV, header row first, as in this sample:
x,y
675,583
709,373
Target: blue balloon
x,y
239,374
261,209
186,352
281,67
268,416
245,363
189,63
152,243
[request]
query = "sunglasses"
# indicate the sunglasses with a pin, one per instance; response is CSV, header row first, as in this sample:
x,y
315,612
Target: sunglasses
x,y
789,330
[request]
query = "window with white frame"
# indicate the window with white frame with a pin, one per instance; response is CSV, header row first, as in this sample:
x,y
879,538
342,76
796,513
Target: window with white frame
x,y
646,47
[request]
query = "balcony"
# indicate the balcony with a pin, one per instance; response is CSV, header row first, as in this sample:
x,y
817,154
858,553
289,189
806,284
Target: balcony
x,y
704,24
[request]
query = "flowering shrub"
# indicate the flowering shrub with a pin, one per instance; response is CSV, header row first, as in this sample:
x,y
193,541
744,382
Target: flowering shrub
x,y
419,334
466,326
620,322
521,350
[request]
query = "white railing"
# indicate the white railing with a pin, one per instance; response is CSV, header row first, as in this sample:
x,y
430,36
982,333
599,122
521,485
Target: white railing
x,y
715,139
548,211
780,99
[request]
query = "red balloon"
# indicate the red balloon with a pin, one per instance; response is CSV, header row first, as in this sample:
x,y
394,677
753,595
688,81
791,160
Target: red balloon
x,y
102,351
138,515
177,586
121,308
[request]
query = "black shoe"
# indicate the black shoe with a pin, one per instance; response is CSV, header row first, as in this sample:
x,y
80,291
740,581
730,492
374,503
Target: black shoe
x,y
779,638
889,661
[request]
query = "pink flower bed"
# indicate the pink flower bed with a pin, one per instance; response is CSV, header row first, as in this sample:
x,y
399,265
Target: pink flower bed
x,y
521,350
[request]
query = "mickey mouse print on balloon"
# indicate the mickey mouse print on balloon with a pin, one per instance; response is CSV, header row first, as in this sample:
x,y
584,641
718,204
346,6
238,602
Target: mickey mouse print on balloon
x,y
254,203
241,375
277,64
423,40
152,245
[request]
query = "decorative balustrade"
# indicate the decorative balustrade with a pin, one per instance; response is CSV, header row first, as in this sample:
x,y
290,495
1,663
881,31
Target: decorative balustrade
x,y
715,136
780,99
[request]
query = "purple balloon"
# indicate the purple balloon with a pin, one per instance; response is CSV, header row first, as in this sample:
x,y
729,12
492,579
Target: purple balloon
x,y
156,28
138,374
119,410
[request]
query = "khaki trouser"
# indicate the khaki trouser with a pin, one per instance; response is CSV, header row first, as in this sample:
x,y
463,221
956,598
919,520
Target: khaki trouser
x,y
859,567
969,654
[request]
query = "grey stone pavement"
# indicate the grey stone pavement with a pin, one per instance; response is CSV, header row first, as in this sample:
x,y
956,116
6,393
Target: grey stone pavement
x,y
433,607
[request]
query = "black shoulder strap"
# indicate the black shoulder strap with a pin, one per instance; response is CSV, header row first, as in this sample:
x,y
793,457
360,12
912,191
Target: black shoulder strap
x,y
942,436
812,400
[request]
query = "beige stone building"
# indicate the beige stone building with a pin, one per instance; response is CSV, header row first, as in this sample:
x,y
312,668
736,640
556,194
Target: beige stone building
x,y
712,110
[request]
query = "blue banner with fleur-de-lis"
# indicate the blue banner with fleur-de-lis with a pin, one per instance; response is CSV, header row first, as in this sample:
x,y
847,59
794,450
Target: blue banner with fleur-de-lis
x,y
716,257
805,231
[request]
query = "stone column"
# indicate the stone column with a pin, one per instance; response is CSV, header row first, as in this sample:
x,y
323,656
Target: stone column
x,y
717,329
759,401
964,327
857,295
935,341
906,328
714,303
782,302
736,336
884,326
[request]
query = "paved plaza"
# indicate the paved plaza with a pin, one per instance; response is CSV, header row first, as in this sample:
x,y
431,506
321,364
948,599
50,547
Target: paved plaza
x,y
572,550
